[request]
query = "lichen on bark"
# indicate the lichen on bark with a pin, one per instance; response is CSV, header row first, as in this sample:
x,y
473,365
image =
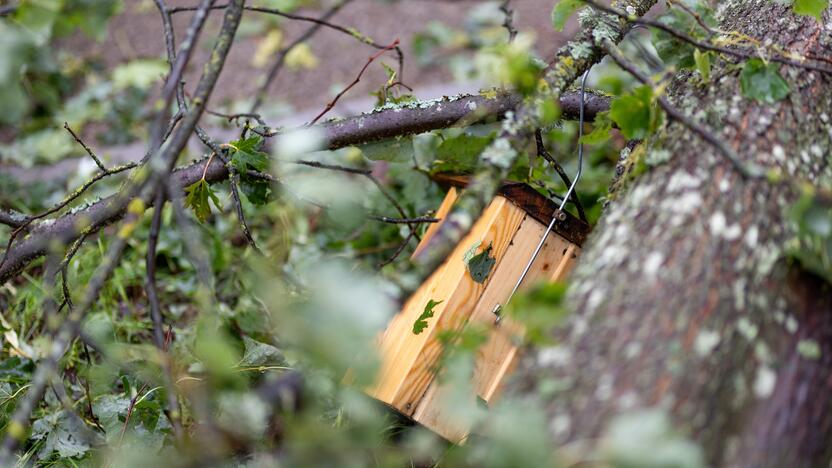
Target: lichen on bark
x,y
683,299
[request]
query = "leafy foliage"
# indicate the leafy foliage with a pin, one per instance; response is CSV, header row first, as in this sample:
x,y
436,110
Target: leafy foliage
x,y
26,54
245,154
703,63
762,81
674,51
459,154
197,197
636,113
314,302
562,11
811,7
812,246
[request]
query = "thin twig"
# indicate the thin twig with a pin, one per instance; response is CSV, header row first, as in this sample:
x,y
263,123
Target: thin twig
x,y
741,53
63,203
86,148
369,175
378,125
420,219
745,170
241,115
541,150
234,182
696,16
281,56
64,267
398,251
319,22
508,21
370,60
150,266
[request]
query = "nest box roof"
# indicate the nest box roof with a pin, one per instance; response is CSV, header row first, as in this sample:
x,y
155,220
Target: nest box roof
x,y
533,203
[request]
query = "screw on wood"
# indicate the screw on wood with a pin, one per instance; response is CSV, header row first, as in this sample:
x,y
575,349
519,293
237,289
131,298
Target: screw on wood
x,y
559,214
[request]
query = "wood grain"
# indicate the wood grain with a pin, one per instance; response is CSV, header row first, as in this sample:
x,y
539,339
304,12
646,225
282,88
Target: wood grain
x,y
408,360
497,358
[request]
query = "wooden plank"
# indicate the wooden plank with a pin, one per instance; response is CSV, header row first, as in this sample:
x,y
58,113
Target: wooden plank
x,y
432,413
408,360
497,358
441,213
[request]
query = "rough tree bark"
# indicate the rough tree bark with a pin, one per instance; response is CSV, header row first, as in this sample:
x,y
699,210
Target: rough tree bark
x,y
683,299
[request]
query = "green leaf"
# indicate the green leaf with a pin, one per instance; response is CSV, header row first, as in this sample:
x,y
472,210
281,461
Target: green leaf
x,y
197,197
601,130
480,265
391,74
562,11
811,8
396,150
38,16
703,63
812,246
460,154
421,323
89,16
261,354
258,191
246,154
141,73
635,113
763,82
539,309
678,53
64,433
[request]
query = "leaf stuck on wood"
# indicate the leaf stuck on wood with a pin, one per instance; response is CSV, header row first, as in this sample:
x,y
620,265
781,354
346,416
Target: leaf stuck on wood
x,y
422,322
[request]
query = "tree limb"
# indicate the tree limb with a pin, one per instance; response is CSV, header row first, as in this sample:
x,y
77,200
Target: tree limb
x,y
380,124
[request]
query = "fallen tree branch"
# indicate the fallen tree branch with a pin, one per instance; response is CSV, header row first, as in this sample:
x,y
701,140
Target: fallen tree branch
x,y
388,122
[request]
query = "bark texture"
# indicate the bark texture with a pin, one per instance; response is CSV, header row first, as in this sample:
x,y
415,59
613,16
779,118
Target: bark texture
x,y
683,299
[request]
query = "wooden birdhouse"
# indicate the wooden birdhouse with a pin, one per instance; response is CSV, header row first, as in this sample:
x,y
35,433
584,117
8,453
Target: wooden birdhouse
x,y
465,290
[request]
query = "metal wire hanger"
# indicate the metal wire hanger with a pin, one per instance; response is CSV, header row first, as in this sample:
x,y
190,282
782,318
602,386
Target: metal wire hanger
x,y
555,216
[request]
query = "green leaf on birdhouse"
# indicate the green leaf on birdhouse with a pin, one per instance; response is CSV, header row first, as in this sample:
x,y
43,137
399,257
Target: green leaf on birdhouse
x,y
422,322
480,265
762,82
197,197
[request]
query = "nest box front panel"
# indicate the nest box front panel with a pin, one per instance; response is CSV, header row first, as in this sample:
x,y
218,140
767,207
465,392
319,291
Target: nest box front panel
x,y
409,359
498,356
457,293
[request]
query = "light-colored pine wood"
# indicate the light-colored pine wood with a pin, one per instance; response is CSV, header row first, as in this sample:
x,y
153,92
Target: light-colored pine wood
x,y
409,360
441,213
497,358
407,380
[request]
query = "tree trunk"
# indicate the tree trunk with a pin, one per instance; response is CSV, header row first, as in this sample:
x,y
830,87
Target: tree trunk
x,y
683,299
